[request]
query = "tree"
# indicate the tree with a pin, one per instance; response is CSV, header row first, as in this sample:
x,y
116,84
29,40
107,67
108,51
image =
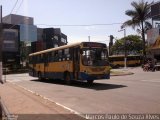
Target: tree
x,y
24,52
139,16
133,45
147,26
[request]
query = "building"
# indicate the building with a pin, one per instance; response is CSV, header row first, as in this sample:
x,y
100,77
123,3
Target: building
x,y
21,37
153,39
53,37
18,19
26,32
10,47
48,38
153,35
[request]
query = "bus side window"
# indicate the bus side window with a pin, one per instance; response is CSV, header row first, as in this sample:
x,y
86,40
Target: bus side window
x,y
34,59
46,57
66,54
63,56
71,53
41,58
52,56
49,57
56,56
38,59
59,55
69,56
30,59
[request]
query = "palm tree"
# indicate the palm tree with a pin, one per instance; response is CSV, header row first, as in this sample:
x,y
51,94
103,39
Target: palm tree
x,y
139,16
147,26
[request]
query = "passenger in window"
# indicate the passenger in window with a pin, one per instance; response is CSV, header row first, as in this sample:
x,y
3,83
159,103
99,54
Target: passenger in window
x,y
85,61
89,60
56,56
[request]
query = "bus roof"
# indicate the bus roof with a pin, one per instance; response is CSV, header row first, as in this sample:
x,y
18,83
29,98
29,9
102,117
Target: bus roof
x,y
59,48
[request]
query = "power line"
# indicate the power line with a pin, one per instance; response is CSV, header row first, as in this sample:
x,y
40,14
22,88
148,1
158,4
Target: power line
x,y
11,10
81,25
16,12
14,6
19,6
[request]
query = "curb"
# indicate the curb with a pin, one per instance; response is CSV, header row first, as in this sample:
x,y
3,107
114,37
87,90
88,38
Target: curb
x,y
122,74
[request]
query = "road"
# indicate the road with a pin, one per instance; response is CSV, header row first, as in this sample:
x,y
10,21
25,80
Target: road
x,y
137,93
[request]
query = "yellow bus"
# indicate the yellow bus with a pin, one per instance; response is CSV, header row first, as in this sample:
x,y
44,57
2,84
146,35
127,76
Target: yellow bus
x,y
86,61
118,60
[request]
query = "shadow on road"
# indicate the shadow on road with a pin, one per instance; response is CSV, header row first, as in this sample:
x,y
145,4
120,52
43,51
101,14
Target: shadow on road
x,y
94,86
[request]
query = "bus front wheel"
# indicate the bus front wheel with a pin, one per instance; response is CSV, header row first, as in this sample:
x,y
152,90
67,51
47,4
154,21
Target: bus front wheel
x,y
90,81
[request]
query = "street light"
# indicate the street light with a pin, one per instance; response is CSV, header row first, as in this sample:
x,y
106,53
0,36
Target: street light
x,y
89,38
125,51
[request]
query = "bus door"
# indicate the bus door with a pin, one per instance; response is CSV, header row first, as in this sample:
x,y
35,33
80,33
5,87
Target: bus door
x,y
76,62
33,63
46,60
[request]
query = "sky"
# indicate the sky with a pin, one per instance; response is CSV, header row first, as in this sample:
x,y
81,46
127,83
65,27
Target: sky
x,y
59,13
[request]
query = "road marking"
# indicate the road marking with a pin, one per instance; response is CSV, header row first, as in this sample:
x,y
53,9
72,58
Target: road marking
x,y
154,81
15,80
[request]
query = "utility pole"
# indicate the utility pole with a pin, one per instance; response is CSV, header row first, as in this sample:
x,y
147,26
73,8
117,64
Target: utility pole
x,y
110,44
89,38
1,42
125,50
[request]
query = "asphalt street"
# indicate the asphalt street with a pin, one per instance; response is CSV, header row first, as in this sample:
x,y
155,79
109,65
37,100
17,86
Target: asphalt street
x,y
137,93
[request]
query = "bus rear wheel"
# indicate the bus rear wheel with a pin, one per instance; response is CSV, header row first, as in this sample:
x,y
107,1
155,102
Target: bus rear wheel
x,y
67,78
40,76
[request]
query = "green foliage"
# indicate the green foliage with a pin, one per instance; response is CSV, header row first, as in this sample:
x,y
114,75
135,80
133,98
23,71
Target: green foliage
x,y
133,45
24,51
139,16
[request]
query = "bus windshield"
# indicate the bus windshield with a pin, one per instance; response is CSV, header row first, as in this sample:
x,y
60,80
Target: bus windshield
x,y
94,57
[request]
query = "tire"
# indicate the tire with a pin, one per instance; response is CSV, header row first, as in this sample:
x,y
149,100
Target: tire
x,y
67,78
117,66
40,76
90,81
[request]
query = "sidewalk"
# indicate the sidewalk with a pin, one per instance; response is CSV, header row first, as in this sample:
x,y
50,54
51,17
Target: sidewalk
x,y
29,106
